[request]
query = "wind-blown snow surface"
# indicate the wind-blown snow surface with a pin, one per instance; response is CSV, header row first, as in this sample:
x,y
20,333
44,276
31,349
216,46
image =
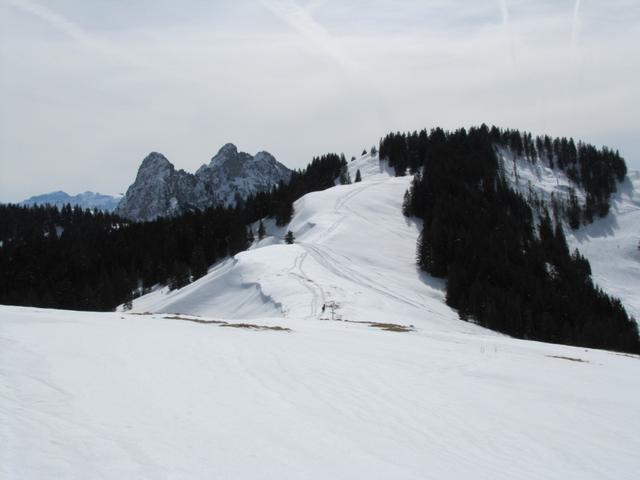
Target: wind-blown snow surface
x,y
120,395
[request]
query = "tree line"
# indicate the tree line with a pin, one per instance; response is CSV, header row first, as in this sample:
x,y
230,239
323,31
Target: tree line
x,y
596,171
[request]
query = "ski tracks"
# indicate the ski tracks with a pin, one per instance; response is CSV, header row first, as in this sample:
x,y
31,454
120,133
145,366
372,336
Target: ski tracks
x,y
317,293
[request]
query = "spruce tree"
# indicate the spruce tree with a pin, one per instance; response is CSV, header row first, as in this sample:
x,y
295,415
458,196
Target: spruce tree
x,y
261,231
358,176
198,262
289,238
179,275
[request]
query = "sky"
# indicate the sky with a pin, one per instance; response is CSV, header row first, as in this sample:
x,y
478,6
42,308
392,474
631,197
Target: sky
x,y
89,88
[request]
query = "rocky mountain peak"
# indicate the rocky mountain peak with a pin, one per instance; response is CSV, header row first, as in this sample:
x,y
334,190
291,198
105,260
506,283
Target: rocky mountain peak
x,y
228,149
231,175
155,161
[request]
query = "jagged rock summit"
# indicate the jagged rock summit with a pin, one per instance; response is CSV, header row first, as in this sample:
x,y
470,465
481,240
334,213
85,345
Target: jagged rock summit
x,y
160,190
235,175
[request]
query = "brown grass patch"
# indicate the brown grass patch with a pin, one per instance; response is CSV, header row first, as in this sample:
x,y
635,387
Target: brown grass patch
x,y
251,326
389,327
571,359
222,323
195,320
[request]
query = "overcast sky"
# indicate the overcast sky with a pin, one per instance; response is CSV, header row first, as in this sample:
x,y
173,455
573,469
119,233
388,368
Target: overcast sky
x,y
88,88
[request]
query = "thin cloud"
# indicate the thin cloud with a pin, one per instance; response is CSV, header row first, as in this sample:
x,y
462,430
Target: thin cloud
x,y
301,21
506,25
575,24
74,31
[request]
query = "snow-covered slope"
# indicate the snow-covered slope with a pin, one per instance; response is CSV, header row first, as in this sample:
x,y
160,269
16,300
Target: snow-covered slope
x,y
611,245
91,200
353,248
264,385
112,396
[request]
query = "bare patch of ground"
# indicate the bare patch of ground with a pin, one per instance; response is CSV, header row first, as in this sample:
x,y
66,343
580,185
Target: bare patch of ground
x,y
251,326
571,359
389,327
222,323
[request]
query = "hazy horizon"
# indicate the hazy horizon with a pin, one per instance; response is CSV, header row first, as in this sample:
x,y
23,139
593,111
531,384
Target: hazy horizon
x,y
88,89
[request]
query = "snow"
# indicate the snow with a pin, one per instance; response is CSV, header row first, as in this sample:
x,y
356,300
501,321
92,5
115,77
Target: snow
x,y
353,247
160,395
89,395
611,245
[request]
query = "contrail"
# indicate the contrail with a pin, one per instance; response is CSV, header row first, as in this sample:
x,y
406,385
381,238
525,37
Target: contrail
x,y
301,21
575,24
506,24
74,31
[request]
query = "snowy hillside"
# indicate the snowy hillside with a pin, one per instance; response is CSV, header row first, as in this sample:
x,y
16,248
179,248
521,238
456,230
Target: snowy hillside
x,y
95,395
241,375
611,243
353,247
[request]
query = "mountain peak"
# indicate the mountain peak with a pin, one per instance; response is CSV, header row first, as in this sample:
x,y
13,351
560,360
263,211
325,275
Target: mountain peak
x,y
161,190
228,148
155,159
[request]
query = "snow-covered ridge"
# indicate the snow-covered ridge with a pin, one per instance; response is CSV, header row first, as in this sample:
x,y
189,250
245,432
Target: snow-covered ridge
x,y
353,247
90,200
161,190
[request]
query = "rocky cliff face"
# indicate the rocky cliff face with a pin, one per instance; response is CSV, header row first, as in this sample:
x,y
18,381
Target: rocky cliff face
x,y
161,190
234,175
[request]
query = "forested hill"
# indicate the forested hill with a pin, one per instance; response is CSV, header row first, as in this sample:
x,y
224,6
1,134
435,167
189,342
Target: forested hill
x,y
506,260
82,260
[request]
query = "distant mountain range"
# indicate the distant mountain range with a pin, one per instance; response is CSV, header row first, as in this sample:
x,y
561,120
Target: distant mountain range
x,y
160,190
91,200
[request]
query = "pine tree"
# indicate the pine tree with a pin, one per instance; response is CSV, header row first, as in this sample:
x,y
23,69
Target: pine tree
x,y
345,179
289,238
250,236
358,176
237,237
179,275
198,262
407,204
261,231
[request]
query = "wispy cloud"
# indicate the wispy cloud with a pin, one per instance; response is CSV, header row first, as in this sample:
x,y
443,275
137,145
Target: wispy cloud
x,y
74,31
506,25
575,24
301,20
